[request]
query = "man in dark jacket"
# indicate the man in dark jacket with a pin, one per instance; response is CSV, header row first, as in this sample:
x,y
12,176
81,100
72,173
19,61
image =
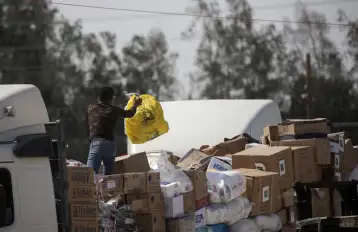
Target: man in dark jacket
x,y
102,118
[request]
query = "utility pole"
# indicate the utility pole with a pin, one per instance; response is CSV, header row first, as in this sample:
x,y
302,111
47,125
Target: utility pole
x,y
308,84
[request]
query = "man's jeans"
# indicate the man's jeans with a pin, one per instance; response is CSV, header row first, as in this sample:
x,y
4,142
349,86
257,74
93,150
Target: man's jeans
x,y
102,150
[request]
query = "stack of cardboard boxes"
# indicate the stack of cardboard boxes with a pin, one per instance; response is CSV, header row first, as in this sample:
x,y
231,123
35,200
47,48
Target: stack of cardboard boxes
x,y
82,198
142,191
297,151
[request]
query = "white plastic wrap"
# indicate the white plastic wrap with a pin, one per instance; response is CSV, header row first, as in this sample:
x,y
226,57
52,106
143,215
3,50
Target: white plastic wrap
x,y
245,225
173,181
224,186
228,213
249,145
270,222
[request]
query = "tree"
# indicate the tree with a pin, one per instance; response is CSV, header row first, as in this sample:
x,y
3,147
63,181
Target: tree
x,y
38,46
149,67
234,60
330,84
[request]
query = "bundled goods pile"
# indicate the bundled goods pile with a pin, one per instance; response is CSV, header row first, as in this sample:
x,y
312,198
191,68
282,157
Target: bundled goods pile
x,y
239,185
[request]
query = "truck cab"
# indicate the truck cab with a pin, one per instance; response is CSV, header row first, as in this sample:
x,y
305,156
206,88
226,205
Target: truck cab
x,y
27,187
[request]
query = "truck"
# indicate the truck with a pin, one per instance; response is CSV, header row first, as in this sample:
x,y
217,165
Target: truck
x,y
33,174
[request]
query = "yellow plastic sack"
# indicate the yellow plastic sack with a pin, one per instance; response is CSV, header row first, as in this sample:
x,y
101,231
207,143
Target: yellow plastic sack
x,y
148,123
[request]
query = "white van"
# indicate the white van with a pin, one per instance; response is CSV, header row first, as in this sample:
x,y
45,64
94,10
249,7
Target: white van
x,y
208,122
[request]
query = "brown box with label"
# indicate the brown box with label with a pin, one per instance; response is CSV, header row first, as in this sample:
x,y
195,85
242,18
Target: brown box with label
x,y
182,224
111,185
262,189
81,193
145,203
304,167
80,176
151,222
135,183
131,163
84,227
84,212
322,151
194,164
272,159
321,203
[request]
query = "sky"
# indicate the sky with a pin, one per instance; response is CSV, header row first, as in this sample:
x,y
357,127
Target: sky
x,y
125,24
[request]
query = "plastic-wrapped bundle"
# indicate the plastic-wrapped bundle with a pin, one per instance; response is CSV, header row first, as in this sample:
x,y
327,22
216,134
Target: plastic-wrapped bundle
x,y
270,222
224,186
173,181
245,225
228,213
74,163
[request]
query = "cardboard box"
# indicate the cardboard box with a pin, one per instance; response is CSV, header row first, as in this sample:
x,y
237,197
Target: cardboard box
x,y
135,182
85,193
146,203
201,195
321,148
111,185
179,205
194,160
336,141
84,212
321,203
304,167
131,163
183,224
262,190
231,146
288,198
189,202
80,176
84,227
271,133
153,182
153,222
293,128
272,159
194,164
350,157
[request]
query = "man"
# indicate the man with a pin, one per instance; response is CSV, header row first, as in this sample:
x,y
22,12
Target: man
x,y
102,118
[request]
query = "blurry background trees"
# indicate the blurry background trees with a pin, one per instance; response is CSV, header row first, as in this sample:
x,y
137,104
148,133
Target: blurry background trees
x,y
235,59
